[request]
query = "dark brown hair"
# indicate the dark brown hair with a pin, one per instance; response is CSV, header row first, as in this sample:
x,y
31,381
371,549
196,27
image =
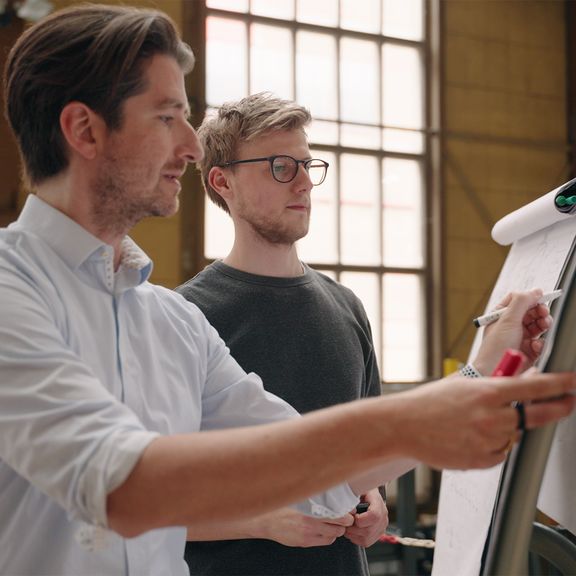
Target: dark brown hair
x,y
92,54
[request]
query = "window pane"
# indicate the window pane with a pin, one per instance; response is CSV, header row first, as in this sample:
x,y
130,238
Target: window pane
x,y
366,287
404,338
407,141
321,243
403,19
271,61
235,5
362,15
218,231
277,9
359,81
359,218
359,136
316,84
320,132
226,60
403,92
324,12
403,213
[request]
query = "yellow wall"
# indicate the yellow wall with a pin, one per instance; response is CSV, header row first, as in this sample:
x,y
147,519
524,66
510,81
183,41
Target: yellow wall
x,y
505,143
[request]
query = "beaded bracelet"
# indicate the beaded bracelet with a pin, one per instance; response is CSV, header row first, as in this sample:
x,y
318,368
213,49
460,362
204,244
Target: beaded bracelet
x,y
469,371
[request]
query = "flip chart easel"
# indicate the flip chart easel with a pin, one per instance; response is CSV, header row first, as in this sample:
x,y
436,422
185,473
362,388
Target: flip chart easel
x,y
507,553
542,240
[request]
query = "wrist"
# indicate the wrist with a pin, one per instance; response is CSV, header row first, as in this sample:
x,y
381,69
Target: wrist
x,y
255,527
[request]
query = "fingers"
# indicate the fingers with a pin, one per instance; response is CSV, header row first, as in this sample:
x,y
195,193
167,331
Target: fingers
x,y
535,347
346,520
328,534
541,413
534,387
521,302
316,532
481,411
370,525
365,519
528,416
537,320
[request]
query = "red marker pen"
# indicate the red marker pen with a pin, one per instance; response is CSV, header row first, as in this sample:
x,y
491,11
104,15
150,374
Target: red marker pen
x,y
509,363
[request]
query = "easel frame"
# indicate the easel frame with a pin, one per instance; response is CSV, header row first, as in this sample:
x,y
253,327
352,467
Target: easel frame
x,y
509,540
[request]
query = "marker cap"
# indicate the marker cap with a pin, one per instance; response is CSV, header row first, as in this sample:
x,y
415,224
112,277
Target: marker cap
x,y
510,363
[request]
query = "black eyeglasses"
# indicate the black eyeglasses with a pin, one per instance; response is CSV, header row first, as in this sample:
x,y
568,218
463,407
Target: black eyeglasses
x,y
284,168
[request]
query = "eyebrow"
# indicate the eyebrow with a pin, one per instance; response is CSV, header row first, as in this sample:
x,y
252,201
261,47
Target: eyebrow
x,y
174,103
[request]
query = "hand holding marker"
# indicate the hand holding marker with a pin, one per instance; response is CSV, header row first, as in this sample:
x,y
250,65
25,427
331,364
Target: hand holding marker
x,y
493,316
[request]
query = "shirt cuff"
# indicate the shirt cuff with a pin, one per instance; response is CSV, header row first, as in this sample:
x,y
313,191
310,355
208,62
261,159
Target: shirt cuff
x,y
110,467
333,503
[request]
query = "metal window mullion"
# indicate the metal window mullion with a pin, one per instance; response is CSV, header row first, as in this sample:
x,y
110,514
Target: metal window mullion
x,y
309,27
249,24
433,153
294,52
338,207
338,40
381,324
381,206
381,251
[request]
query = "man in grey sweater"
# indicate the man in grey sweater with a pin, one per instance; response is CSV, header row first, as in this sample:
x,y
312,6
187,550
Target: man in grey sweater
x,y
306,335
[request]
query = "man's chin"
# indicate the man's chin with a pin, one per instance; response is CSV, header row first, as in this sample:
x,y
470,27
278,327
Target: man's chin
x,y
169,209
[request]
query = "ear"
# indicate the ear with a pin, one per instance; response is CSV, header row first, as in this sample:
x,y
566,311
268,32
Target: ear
x,y
219,180
80,127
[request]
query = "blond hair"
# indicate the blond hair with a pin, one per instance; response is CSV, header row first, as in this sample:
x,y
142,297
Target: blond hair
x,y
243,121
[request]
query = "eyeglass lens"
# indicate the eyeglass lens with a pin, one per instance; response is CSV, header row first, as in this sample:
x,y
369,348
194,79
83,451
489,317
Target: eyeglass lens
x,y
285,168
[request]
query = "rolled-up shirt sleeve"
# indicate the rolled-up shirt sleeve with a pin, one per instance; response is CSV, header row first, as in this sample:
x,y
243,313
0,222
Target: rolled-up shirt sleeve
x,y
60,429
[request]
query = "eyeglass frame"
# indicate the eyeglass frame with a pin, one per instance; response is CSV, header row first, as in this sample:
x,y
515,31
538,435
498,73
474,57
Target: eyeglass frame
x,y
271,159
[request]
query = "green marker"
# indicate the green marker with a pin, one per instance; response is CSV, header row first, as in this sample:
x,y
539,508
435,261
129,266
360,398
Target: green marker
x,y
565,199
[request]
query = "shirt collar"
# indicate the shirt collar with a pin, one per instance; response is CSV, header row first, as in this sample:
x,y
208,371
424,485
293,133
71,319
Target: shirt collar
x,y
73,243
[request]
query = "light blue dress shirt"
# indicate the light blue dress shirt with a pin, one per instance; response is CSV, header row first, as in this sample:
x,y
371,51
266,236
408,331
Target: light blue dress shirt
x,y
94,364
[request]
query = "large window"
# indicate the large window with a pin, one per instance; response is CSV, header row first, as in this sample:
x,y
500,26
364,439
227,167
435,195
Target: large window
x,y
359,66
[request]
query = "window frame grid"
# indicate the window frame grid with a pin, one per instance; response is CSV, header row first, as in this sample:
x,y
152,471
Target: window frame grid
x,y
428,273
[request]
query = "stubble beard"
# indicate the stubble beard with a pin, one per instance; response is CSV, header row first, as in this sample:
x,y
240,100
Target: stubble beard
x,y
118,205
274,231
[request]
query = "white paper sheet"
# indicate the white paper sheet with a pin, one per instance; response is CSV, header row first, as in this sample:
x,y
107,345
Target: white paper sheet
x,y
557,496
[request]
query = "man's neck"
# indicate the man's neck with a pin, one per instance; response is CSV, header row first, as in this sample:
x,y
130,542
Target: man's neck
x,y
68,199
279,261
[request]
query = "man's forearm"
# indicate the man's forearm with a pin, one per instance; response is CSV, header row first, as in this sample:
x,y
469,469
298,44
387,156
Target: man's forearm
x,y
225,530
235,474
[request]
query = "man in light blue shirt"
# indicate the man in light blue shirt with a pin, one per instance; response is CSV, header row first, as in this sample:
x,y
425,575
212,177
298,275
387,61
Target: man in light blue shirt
x,y
115,394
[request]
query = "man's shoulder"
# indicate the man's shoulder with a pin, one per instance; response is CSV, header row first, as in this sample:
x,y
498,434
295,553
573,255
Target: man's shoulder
x,y
204,281
166,297
333,286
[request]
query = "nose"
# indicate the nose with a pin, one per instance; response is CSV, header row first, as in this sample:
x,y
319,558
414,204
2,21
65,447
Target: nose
x,y
302,180
190,148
